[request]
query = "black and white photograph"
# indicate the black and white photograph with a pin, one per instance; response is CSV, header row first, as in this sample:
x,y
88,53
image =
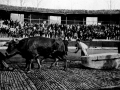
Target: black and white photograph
x,y
59,44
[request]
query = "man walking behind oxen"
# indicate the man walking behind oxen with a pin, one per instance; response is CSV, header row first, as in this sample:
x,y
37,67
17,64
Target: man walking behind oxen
x,y
81,46
3,64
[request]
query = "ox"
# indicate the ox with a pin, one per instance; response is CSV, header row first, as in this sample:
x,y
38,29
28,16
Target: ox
x,y
33,47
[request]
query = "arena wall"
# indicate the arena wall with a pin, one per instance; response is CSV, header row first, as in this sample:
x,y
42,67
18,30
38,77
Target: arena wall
x,y
93,43
98,43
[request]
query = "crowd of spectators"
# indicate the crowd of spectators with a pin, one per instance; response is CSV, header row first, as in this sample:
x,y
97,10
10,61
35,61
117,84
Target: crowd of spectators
x,y
11,28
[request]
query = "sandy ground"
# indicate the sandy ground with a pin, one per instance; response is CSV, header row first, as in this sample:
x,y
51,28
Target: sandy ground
x,y
75,78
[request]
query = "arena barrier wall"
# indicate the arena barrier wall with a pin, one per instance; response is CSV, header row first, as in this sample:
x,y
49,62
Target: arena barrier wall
x,y
90,43
97,43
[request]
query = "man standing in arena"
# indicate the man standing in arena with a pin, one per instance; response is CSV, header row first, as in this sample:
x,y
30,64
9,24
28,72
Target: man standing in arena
x,y
3,64
81,46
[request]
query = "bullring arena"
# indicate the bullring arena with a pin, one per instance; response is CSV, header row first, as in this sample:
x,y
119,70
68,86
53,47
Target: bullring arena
x,y
98,71
99,74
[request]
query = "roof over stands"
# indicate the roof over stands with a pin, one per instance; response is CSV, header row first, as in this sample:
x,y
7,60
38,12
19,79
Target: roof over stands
x,y
56,11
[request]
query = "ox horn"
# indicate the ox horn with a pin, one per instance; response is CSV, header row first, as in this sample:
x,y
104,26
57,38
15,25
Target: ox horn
x,y
16,40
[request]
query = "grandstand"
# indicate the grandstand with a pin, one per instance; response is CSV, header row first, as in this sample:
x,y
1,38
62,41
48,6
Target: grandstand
x,y
84,24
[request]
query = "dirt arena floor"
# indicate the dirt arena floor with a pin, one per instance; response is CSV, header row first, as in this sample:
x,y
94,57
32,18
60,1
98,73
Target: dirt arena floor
x,y
76,77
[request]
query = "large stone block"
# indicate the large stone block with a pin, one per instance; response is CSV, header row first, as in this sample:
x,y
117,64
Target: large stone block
x,y
99,61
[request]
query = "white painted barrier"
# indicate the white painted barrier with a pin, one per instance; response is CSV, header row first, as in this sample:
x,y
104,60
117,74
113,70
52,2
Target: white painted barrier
x,y
3,47
112,48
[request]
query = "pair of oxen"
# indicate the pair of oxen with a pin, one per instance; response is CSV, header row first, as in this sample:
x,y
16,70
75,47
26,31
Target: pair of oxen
x,y
38,49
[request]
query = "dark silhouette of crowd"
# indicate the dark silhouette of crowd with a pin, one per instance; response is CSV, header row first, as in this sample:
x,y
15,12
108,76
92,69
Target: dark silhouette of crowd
x,y
84,32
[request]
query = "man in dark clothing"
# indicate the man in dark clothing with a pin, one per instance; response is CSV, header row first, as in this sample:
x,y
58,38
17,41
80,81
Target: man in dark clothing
x,y
3,64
